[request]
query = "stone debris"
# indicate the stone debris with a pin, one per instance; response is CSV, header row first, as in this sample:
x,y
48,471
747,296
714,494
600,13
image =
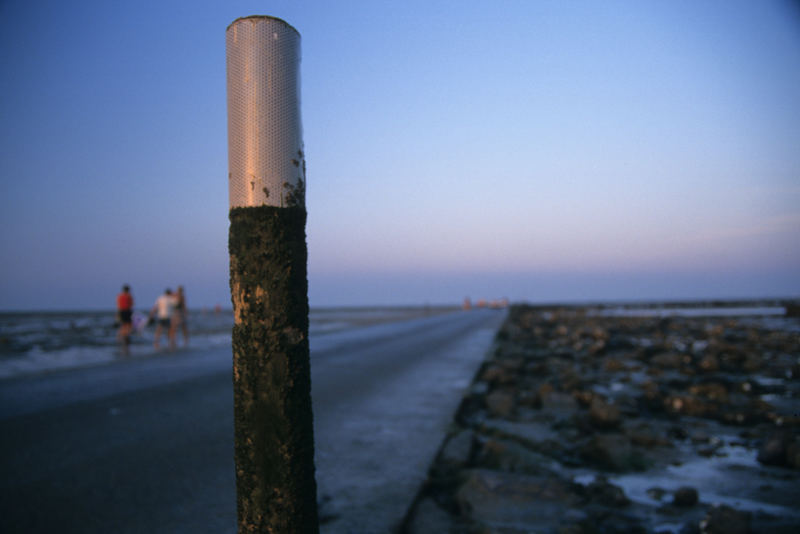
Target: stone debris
x,y
580,423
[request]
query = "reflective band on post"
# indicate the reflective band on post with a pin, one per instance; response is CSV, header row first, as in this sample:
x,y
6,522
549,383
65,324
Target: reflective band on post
x,y
266,163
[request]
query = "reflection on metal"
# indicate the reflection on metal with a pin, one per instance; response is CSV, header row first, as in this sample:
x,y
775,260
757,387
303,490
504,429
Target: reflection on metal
x,y
266,164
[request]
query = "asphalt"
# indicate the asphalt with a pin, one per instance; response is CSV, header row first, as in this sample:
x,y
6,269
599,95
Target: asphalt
x,y
147,444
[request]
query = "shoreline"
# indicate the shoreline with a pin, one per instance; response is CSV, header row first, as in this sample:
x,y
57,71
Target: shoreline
x,y
50,342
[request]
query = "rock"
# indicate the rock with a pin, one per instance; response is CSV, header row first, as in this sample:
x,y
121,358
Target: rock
x,y
571,529
753,363
685,496
652,398
612,452
793,454
613,365
500,403
690,405
569,379
599,333
644,435
429,518
535,435
709,364
781,448
527,399
656,493
773,450
512,500
498,374
731,358
502,455
601,491
707,452
619,343
560,405
598,347
584,398
610,522
603,415
458,449
713,391
725,520
700,436
479,388
677,432
667,360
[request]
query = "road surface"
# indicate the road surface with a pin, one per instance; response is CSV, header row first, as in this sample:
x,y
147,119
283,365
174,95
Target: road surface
x,y
146,445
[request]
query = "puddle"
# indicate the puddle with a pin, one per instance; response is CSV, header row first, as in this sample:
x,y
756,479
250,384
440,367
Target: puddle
x,y
729,477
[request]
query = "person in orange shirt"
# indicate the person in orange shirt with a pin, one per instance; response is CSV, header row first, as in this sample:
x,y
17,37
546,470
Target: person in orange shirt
x,y
125,317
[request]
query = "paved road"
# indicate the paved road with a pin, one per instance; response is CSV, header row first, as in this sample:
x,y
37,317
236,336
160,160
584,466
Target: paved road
x,y
146,445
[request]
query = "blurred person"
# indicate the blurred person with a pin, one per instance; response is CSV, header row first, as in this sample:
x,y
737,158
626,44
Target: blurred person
x,y
163,310
125,317
179,316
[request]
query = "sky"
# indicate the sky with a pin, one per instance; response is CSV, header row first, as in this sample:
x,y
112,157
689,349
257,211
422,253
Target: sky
x,y
542,151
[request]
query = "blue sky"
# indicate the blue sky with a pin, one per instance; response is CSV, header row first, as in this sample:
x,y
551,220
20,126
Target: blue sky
x,y
535,150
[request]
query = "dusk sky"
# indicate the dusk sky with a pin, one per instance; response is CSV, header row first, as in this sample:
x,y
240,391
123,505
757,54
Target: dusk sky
x,y
535,150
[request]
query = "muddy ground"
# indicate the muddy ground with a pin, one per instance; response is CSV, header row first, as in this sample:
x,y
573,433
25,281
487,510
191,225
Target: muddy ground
x,y
580,422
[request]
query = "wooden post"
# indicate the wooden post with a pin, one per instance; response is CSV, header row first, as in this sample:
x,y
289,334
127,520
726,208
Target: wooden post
x,y
273,424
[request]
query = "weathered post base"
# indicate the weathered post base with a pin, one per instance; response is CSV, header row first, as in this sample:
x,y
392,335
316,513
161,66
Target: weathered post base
x,y
273,425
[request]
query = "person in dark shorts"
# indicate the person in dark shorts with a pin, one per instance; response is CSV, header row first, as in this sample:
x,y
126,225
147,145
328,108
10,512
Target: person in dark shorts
x,y
163,310
125,317
179,315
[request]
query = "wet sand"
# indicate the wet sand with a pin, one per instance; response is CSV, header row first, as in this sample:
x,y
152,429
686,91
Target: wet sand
x,y
581,422
146,444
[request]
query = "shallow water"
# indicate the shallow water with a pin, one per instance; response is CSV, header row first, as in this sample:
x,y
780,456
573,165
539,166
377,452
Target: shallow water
x,y
35,342
743,311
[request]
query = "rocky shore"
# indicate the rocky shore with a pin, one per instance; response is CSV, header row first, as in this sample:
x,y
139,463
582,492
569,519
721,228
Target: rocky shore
x,y
581,422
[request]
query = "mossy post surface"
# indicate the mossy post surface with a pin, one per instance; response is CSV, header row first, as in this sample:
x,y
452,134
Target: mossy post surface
x,y
273,425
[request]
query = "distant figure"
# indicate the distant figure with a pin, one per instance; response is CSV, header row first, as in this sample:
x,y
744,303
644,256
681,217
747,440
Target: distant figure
x,y
179,315
163,311
125,317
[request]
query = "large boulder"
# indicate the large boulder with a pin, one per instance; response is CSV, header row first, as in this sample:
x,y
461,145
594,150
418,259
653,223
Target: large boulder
x,y
534,503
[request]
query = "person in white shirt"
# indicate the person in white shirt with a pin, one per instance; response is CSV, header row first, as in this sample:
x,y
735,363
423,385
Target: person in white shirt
x,y
162,310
